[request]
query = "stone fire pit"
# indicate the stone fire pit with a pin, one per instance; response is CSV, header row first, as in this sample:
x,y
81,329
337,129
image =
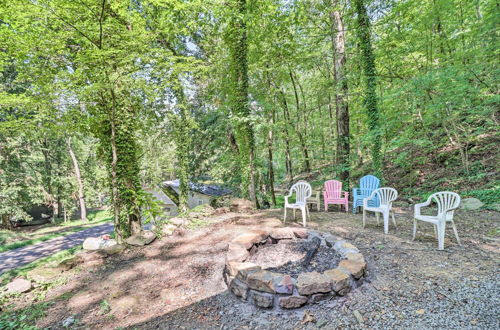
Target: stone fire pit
x,y
306,281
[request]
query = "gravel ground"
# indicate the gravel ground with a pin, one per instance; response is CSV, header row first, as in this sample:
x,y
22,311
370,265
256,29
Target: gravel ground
x,y
176,283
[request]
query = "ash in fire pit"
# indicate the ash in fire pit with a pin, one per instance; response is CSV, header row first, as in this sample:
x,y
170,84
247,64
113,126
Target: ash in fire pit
x,y
290,267
289,257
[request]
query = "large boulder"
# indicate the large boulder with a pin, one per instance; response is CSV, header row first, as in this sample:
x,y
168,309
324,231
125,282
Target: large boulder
x,y
241,205
471,204
147,237
19,285
97,243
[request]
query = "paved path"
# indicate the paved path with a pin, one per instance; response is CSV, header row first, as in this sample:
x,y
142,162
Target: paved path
x,y
22,256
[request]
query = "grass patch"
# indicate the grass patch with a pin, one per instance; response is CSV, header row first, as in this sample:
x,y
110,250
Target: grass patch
x,y
23,319
52,230
22,271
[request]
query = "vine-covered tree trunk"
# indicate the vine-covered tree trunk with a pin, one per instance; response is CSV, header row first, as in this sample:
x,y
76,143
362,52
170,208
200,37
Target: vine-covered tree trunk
x,y
342,108
125,184
79,181
270,139
6,222
239,102
370,100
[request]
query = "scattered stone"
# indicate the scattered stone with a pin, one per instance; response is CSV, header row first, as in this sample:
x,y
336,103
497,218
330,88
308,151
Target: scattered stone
x,y
315,298
355,257
19,285
43,274
300,232
282,233
355,268
283,284
236,252
292,301
147,237
308,317
338,278
69,263
420,311
241,205
69,321
471,204
125,303
264,300
177,221
168,229
249,239
321,323
313,282
221,210
239,288
97,243
115,249
233,267
261,280
358,316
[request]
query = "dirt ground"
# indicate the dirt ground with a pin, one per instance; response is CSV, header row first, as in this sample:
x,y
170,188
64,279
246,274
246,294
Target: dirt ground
x,y
176,282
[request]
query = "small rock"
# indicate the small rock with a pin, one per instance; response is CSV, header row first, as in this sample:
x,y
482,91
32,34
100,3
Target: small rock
x,y
321,323
338,278
313,282
471,204
169,229
69,263
147,237
264,300
92,243
249,239
292,301
283,284
358,316
239,288
420,312
19,285
43,274
261,280
115,249
355,268
177,221
68,322
236,252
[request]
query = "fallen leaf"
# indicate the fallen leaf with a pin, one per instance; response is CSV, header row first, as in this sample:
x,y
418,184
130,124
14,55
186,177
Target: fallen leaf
x,y
308,317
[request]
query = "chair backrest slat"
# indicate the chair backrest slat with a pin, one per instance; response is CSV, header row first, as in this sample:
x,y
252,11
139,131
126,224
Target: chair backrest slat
x,y
386,195
446,200
369,182
302,191
333,189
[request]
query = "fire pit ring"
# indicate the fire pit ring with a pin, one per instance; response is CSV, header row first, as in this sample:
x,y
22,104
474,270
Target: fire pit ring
x,y
268,289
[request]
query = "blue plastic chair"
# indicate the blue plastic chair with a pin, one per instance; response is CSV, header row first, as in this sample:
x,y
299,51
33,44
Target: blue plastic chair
x,y
367,185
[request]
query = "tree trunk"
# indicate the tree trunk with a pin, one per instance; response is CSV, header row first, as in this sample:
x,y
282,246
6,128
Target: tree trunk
x,y
342,108
370,101
78,176
305,153
239,106
288,156
6,222
270,161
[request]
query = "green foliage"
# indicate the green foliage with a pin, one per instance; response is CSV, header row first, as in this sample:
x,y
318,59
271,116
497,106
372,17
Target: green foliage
x,y
487,196
23,319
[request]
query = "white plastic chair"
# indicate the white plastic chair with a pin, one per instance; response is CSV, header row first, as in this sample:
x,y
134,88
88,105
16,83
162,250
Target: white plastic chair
x,y
302,192
385,196
447,202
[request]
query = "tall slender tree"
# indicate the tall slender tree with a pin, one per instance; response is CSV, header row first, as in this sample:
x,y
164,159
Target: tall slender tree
x,y
370,98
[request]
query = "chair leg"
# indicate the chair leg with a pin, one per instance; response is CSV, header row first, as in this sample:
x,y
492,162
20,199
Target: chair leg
x,y
393,219
364,218
441,230
284,218
455,231
354,206
386,222
414,228
435,231
304,216
326,206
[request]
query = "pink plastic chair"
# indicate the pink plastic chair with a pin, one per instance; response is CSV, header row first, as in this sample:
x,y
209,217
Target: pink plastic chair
x,y
333,194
